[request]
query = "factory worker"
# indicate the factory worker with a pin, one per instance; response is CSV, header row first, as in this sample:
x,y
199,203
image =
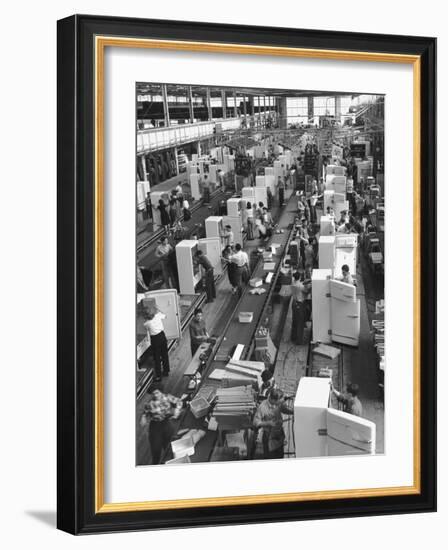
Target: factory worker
x,y
346,276
269,417
158,413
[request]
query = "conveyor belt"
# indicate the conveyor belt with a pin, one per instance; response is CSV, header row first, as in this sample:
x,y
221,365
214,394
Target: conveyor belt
x,y
241,333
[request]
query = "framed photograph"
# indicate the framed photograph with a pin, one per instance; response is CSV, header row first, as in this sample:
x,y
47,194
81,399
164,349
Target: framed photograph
x,y
246,274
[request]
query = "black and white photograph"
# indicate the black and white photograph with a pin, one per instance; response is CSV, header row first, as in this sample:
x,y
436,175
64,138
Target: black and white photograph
x,y
260,273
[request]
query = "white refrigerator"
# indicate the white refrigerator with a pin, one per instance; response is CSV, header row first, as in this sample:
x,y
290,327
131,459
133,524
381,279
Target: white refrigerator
x,y
320,430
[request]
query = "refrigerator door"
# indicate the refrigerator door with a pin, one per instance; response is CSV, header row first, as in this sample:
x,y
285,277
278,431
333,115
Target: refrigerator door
x,y
168,303
342,291
348,434
345,314
345,256
212,249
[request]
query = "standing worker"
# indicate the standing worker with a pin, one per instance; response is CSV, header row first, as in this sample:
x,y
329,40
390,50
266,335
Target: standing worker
x,y
164,216
163,252
209,275
228,236
157,414
159,345
269,417
250,222
241,261
281,191
299,291
198,331
350,401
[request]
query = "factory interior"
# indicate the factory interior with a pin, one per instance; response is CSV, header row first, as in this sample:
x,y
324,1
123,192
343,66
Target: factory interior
x,y
260,274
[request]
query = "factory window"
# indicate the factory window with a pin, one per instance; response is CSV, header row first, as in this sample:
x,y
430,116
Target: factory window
x,y
324,106
297,110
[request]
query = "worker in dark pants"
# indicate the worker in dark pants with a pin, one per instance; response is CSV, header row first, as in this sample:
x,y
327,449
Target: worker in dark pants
x,y
209,275
299,293
281,192
269,417
159,344
157,414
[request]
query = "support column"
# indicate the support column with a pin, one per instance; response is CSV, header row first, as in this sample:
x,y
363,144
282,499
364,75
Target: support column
x,y
310,109
337,108
166,110
143,163
282,113
265,113
209,104
176,159
235,110
190,104
245,109
224,104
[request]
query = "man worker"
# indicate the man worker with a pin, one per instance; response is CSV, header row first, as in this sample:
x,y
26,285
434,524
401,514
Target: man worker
x,y
228,236
159,346
163,252
209,275
269,417
158,413
346,276
349,399
267,384
241,260
299,292
198,331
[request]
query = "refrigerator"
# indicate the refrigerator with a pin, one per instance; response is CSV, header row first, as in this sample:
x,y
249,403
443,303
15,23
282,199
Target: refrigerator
x,y
195,187
214,227
234,207
212,174
320,430
345,312
168,303
338,184
261,195
260,181
326,251
321,302
327,225
346,247
248,195
188,269
328,199
332,169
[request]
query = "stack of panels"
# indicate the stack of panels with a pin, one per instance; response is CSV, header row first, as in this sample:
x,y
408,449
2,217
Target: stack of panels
x,y
236,373
234,406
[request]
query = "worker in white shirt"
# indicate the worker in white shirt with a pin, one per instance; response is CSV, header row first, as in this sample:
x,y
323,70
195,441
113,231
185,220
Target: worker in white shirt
x,y
313,202
163,252
179,190
159,346
241,261
227,236
346,276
